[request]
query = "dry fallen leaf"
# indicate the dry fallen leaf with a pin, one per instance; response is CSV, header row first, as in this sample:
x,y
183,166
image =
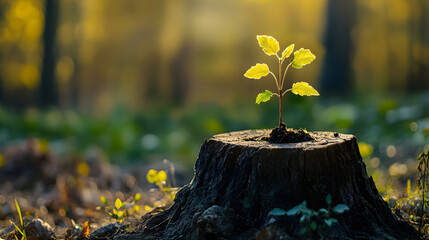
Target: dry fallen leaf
x,y
85,229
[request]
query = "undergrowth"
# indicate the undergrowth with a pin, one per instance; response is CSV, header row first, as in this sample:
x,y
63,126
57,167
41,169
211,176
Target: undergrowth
x,y
22,229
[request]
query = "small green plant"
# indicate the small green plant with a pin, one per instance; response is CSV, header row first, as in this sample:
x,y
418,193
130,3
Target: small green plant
x,y
300,58
22,229
423,168
118,211
160,179
313,221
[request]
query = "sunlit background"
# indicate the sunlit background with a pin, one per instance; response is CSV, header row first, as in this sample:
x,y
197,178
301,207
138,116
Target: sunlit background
x,y
143,81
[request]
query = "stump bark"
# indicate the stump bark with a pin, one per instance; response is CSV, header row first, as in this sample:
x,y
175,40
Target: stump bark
x,y
239,179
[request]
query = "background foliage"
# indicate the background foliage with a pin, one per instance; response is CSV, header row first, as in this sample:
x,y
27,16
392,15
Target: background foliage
x,y
148,80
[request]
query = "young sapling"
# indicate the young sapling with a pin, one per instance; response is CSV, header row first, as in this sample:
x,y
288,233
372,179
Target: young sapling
x,y
300,58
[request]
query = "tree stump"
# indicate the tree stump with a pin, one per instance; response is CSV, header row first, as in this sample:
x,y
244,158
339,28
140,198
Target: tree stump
x,y
239,179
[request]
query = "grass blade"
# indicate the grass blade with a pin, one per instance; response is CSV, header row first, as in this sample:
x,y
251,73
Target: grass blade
x,y
19,212
18,209
17,228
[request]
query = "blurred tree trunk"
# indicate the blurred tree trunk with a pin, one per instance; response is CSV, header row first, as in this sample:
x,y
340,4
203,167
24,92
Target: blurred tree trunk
x,y
419,54
3,8
48,92
180,69
174,52
336,72
2,93
74,86
152,89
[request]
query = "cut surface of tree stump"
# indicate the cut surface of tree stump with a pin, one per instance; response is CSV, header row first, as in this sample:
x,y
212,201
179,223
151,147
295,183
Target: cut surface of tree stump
x,y
240,179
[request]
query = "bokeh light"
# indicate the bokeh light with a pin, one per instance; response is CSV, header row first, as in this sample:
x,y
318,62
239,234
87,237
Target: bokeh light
x,y
391,151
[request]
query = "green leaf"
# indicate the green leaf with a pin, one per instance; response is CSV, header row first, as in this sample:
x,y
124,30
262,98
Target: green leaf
x,y
330,221
340,208
302,57
257,71
137,197
103,199
18,209
300,208
264,96
297,209
308,212
17,228
313,226
302,231
152,176
118,203
286,53
304,89
323,212
162,176
268,44
277,212
294,211
329,199
137,208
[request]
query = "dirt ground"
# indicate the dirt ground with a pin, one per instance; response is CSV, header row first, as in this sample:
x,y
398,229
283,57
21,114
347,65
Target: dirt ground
x,y
65,193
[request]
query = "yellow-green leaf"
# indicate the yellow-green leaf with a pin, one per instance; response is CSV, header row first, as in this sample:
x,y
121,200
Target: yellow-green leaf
x,y
118,203
286,53
257,71
103,199
302,57
137,208
172,196
152,176
304,89
162,176
365,149
18,209
268,44
137,197
264,96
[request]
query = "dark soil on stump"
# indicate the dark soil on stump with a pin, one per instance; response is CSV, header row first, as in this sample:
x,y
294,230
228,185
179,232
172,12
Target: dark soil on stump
x,y
282,134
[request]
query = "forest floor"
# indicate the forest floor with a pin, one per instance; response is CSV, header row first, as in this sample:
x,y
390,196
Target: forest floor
x,y
79,198
67,193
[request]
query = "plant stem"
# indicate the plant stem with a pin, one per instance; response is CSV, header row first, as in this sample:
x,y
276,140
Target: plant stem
x,y
279,88
284,75
280,108
286,91
275,79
